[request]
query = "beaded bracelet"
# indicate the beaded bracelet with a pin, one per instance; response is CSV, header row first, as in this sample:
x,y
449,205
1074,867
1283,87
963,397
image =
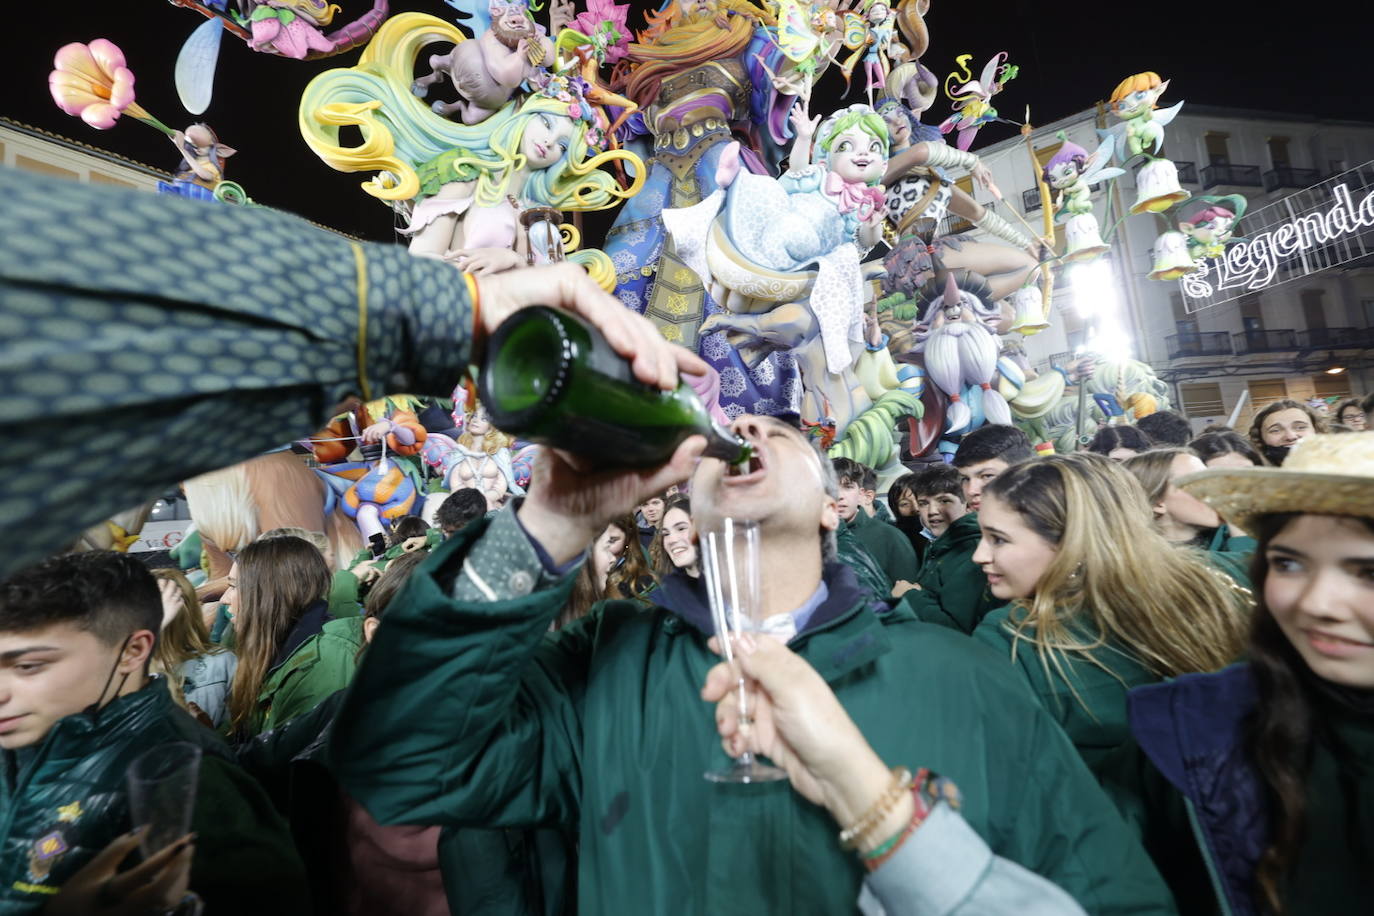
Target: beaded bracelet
x,y
927,791
851,835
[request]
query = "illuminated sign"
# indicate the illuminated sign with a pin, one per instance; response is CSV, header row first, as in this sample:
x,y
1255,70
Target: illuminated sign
x,y
1323,226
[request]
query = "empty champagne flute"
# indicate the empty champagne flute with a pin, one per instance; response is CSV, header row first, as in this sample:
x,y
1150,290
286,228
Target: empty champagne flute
x,y
162,798
730,566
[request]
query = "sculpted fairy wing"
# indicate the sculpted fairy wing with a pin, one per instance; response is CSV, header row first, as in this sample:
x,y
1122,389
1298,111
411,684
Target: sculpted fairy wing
x,y
1099,162
1115,136
795,38
1162,116
195,68
855,30
1098,173
988,78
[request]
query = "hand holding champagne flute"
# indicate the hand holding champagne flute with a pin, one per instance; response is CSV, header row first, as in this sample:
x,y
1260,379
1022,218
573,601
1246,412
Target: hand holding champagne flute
x,y
796,721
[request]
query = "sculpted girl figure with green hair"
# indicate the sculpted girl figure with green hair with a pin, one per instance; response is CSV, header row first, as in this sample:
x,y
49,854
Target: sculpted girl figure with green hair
x,y
464,187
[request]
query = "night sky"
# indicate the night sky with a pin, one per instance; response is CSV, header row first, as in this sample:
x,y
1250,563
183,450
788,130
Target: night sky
x,y
1069,54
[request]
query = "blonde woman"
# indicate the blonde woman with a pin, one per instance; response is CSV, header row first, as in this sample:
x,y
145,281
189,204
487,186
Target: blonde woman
x,y
198,672
1099,601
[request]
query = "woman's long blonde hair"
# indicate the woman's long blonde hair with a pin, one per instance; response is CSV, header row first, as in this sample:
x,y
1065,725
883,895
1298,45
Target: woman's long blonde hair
x,y
182,639
1115,582
278,579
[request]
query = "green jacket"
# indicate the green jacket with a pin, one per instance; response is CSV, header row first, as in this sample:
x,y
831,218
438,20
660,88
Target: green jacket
x,y
1191,786
468,712
954,591
1232,554
345,591
322,664
1099,729
888,546
851,552
64,800
343,595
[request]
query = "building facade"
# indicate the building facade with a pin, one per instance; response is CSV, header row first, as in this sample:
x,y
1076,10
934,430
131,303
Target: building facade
x,y
1305,331
35,150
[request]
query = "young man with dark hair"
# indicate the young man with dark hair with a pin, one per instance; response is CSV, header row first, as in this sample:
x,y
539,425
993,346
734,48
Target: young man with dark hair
x,y
953,589
77,707
939,493
460,509
1166,429
984,454
872,506
884,542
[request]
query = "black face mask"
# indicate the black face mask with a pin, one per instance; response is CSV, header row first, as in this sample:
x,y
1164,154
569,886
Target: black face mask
x,y
100,702
908,524
1275,454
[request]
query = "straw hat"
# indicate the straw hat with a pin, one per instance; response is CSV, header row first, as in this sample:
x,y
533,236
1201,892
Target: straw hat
x,y
1323,475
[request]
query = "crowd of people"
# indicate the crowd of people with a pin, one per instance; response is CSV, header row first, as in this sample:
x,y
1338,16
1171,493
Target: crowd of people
x,y
1138,678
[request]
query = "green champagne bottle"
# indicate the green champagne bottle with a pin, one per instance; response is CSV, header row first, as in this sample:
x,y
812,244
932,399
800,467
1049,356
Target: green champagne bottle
x,y
551,378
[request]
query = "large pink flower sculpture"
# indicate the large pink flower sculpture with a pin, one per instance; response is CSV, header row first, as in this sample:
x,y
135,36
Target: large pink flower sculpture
x,y
91,82
599,15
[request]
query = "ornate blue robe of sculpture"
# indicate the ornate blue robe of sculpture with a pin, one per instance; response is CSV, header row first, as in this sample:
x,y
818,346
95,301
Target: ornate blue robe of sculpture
x,y
689,124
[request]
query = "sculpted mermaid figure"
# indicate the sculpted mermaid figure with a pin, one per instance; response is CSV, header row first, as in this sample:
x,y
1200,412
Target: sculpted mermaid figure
x,y
464,186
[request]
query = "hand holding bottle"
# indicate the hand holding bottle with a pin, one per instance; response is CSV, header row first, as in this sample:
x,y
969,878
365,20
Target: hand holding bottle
x,y
569,501
567,286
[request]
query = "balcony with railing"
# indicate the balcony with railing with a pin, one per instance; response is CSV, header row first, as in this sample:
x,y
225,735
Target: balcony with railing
x,y
1030,200
1239,176
1187,172
1198,343
1335,338
1285,176
1264,341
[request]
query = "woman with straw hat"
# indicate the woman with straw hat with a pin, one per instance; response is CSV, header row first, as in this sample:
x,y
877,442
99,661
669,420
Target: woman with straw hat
x,y
1269,765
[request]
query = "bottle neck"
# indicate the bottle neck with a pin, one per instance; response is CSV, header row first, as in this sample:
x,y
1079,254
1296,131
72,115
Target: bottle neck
x,y
723,444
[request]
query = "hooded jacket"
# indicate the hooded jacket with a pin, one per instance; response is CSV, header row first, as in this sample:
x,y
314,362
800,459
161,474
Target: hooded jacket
x,y
1203,810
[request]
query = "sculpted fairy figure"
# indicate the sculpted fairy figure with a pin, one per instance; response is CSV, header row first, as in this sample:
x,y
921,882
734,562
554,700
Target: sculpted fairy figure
x,y
823,216
919,187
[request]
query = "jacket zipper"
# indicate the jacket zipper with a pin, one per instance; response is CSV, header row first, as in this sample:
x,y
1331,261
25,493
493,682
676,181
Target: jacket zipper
x,y
1218,886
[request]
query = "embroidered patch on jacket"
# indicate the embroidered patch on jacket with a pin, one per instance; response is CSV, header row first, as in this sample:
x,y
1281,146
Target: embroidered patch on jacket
x,y
46,851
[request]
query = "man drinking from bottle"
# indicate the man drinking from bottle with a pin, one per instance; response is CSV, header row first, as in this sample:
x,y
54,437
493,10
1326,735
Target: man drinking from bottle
x,y
466,713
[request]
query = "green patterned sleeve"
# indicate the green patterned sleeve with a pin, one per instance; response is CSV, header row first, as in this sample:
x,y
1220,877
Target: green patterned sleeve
x,y
145,339
505,565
